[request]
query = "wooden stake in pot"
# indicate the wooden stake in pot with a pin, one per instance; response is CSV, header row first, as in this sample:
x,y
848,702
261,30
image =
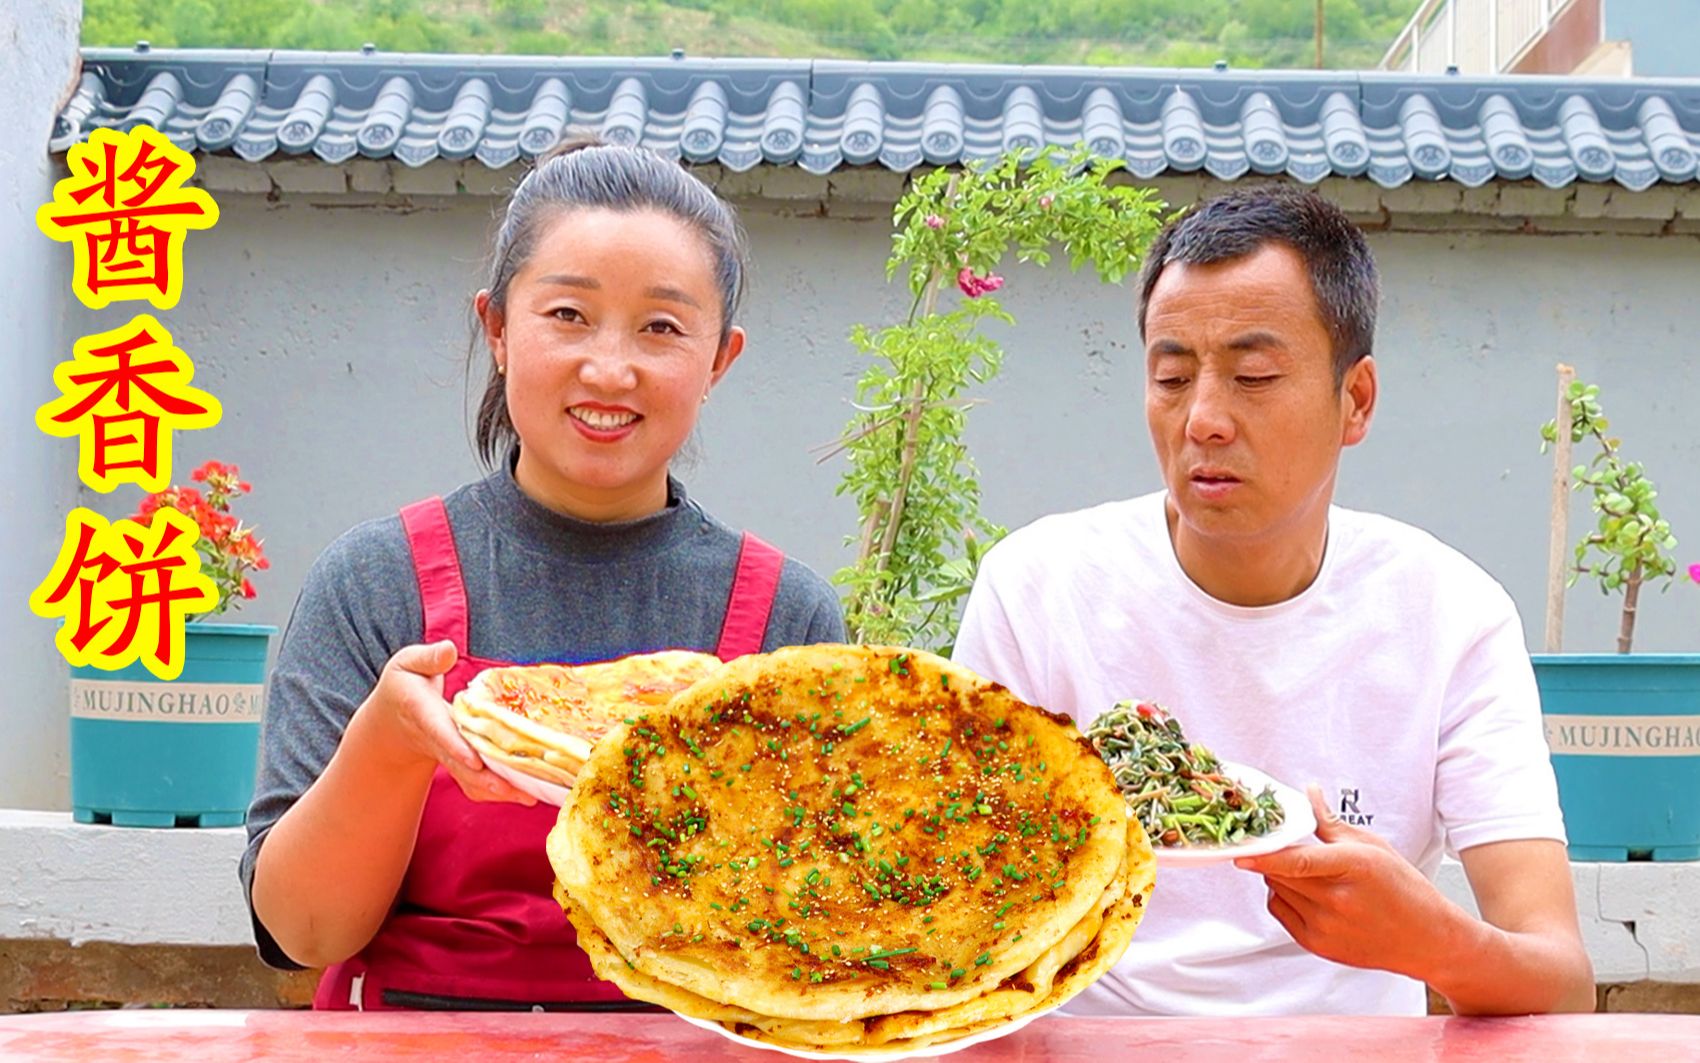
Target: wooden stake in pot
x,y
1558,546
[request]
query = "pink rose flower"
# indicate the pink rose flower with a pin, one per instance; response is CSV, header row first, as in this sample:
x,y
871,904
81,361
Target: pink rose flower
x,y
934,221
1694,573
973,285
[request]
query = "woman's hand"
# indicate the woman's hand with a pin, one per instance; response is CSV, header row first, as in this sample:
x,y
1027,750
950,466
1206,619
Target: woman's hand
x,y
356,825
408,717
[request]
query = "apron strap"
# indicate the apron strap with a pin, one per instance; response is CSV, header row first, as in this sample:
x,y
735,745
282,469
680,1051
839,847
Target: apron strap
x,y
753,588
437,567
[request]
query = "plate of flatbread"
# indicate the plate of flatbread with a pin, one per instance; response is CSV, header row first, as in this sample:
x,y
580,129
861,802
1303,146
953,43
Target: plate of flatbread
x,y
547,792
937,1048
534,725
850,852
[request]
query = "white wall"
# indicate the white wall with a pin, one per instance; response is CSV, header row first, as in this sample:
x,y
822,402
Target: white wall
x,y
334,332
38,474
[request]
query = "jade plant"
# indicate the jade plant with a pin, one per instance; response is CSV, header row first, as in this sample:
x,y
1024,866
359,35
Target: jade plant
x,y
1630,545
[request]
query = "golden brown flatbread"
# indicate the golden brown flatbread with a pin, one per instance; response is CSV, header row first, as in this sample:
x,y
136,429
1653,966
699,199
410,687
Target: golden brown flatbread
x,y
543,719
1061,974
847,845
1080,958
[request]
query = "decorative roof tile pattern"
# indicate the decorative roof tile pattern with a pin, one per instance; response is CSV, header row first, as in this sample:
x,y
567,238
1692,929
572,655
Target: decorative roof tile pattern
x,y
822,115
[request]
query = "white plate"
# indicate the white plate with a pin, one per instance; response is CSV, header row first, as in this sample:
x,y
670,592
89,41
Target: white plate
x,y
1299,824
942,1048
550,793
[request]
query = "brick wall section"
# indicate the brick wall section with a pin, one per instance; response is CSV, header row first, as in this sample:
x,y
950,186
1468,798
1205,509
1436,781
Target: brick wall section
x,y
55,975
1665,998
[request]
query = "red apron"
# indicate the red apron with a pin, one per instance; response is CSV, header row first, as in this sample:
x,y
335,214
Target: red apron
x,y
474,923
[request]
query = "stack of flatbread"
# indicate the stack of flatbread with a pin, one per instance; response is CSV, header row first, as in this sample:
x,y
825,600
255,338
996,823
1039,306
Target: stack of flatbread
x,y
543,719
849,849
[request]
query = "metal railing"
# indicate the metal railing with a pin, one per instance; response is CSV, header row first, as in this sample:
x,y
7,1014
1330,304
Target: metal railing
x,y
1476,36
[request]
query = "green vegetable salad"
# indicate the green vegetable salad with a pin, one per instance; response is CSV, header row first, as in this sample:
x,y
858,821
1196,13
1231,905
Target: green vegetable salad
x,y
1177,788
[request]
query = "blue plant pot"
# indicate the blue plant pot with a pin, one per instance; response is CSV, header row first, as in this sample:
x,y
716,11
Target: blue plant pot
x,y
152,753
1624,730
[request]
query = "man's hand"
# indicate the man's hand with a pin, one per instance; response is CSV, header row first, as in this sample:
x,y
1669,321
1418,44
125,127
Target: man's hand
x,y
1355,900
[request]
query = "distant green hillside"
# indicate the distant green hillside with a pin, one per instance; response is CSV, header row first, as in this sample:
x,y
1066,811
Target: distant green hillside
x,y
1247,33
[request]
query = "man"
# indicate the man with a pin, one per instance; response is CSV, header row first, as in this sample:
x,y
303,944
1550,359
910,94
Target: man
x,y
1322,645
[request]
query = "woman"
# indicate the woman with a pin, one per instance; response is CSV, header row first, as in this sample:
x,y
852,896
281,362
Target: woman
x,y
379,844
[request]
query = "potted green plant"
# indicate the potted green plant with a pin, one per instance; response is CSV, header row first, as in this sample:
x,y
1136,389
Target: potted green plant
x,y
147,752
1624,728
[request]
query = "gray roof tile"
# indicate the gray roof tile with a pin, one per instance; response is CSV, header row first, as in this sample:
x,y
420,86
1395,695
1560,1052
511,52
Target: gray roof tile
x,y
823,115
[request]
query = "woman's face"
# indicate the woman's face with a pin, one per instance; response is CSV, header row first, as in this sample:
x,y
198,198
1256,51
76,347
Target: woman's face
x,y
611,340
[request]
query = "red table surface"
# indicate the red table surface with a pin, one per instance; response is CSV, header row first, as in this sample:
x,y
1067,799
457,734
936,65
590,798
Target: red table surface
x,y
464,1037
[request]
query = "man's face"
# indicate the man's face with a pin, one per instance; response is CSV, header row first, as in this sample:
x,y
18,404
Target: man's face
x,y
1240,396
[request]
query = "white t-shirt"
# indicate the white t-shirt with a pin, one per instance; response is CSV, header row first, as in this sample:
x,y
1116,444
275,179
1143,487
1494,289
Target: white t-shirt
x,y
1398,680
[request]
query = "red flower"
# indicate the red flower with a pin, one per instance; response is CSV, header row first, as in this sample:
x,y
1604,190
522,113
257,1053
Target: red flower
x,y
973,285
228,549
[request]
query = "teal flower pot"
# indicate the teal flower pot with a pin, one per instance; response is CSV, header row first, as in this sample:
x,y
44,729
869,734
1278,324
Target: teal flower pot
x,y
1624,730
152,753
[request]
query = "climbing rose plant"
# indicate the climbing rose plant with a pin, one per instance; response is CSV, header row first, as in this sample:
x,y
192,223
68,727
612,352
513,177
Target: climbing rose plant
x,y
916,488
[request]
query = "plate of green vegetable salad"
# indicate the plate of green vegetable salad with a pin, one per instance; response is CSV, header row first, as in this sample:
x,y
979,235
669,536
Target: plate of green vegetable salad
x,y
1196,808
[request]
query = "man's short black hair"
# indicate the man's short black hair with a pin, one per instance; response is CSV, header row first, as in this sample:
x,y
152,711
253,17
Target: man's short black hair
x,y
1342,271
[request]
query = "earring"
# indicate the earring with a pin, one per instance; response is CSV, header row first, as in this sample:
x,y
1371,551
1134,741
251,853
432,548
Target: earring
x,y
705,398
501,370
